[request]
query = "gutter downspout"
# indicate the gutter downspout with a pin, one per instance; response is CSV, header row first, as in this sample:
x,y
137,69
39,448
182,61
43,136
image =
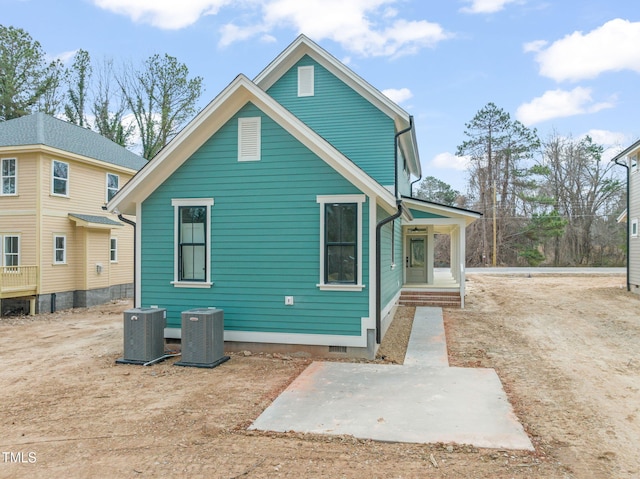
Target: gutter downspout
x,y
628,221
411,187
131,223
379,226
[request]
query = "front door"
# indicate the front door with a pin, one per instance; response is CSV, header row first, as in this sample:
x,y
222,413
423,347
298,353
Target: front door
x,y
416,259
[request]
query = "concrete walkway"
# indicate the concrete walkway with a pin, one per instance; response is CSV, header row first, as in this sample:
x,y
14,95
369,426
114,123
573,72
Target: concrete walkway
x,y
422,401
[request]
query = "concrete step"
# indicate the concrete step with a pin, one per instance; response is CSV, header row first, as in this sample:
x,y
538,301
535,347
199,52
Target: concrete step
x,y
430,298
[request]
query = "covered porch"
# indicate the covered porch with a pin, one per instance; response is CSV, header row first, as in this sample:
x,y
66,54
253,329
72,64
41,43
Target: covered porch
x,y
426,283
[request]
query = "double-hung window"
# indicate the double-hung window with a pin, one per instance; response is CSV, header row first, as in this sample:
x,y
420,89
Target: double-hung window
x,y
8,176
341,242
113,185
11,250
113,250
59,249
192,242
634,228
60,178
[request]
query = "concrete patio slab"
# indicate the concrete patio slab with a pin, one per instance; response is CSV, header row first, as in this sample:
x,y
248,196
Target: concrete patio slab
x,y
409,403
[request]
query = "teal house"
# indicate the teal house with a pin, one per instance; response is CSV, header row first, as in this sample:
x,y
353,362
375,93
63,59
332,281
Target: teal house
x,y
286,202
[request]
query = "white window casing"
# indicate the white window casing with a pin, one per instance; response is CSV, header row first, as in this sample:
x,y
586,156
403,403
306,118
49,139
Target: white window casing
x,y
59,249
306,81
8,177
177,203
59,178
249,143
10,250
634,228
113,250
323,200
113,185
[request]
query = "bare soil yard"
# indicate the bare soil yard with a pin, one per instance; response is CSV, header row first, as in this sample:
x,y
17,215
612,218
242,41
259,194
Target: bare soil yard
x,y
565,348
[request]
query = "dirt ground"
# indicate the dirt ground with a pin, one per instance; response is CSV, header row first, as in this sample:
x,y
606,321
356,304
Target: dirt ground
x,y
565,348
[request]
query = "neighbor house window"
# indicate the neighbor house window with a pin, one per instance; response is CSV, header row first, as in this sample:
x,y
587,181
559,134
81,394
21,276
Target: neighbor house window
x,y
634,228
9,176
59,249
11,250
249,139
113,185
341,242
306,84
60,178
113,250
192,242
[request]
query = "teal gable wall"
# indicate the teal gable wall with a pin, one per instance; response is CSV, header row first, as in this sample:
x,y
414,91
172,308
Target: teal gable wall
x,y
424,214
391,277
265,241
353,125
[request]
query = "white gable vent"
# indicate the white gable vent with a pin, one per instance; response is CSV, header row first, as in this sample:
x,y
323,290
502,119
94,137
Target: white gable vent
x,y
249,139
305,81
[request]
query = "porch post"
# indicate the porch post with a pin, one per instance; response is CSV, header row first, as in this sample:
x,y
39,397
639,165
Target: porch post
x,y
462,255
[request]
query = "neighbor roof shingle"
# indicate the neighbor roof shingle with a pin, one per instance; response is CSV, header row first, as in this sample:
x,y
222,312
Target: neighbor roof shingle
x,y
42,129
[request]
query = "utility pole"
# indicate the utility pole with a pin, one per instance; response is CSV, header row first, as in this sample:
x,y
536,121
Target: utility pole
x,y
495,228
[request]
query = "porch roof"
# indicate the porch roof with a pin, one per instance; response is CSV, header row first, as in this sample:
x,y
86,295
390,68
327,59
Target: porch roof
x,y
426,212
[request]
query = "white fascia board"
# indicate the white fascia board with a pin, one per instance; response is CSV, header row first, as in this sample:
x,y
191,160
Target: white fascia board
x,y
185,143
304,46
450,212
210,120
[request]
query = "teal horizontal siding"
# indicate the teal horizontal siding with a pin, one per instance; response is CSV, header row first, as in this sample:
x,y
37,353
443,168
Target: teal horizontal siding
x,y
353,125
424,214
391,279
265,237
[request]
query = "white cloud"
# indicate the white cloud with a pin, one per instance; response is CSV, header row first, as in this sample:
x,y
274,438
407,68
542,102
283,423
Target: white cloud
x,y
365,27
534,46
558,104
450,161
398,95
485,6
611,47
165,14
607,138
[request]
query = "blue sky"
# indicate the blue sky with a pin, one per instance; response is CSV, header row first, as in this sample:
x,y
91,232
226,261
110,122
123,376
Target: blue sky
x,y
569,66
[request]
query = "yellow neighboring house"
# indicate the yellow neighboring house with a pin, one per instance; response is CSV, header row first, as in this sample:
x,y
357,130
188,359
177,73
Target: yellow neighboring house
x,y
58,248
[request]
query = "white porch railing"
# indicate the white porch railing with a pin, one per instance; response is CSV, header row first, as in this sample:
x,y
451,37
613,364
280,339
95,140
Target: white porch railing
x,y
18,281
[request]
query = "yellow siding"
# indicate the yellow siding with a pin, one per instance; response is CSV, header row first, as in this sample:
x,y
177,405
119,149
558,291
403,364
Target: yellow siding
x,y
86,247
26,184
121,272
98,245
23,226
36,215
60,277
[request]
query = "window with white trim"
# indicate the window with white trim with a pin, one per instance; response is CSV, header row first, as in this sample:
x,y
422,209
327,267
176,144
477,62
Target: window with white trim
x,y
633,163
59,249
113,185
341,242
192,218
113,250
11,250
306,81
60,178
634,228
249,139
9,176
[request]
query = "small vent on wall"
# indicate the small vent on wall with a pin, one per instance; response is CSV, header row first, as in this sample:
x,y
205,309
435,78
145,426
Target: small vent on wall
x,y
337,349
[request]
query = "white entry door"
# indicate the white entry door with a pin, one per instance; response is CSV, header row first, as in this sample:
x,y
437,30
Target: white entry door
x,y
416,259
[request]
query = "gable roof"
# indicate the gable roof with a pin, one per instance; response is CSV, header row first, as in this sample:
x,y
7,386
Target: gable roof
x,y
627,151
237,94
42,129
304,46
469,216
